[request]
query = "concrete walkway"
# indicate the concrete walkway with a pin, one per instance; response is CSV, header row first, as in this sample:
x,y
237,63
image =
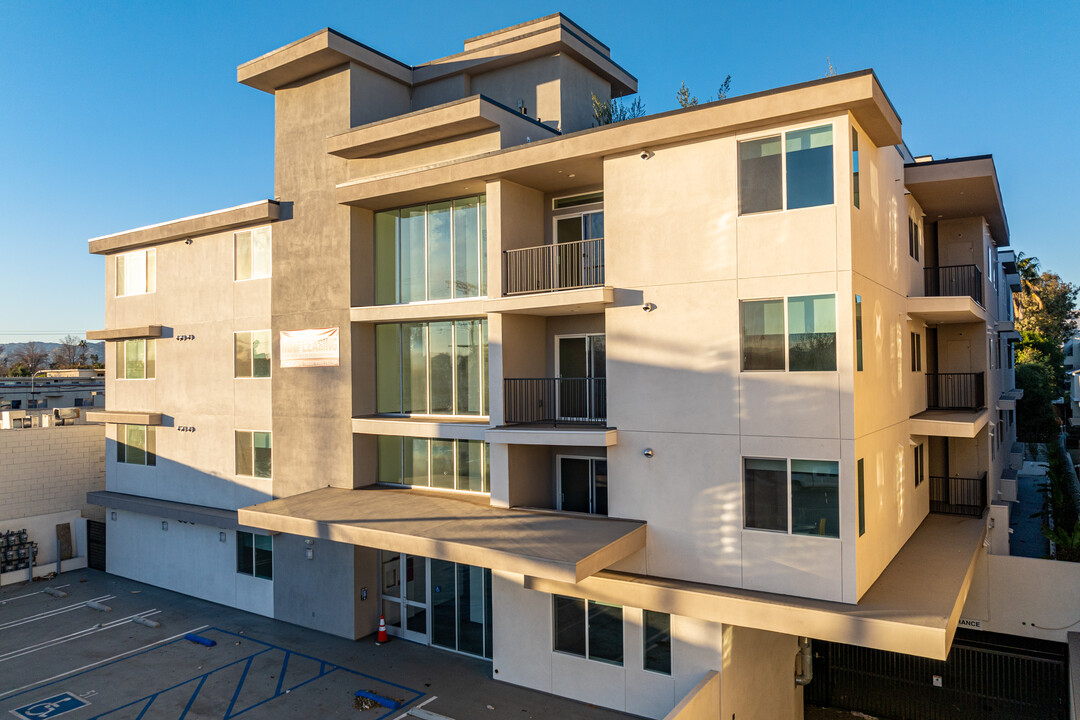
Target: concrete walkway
x,y
1027,539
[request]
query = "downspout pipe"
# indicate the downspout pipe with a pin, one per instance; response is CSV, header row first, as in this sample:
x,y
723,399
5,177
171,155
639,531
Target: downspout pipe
x,y
805,663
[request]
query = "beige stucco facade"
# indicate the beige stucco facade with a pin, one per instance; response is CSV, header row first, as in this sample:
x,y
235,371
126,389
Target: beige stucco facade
x,y
358,133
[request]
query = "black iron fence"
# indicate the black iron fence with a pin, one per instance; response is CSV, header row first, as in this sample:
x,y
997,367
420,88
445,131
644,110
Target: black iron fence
x,y
561,266
580,401
958,496
954,280
955,391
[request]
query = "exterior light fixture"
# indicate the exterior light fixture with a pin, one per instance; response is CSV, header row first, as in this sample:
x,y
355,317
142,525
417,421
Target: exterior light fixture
x,y
164,524
648,307
221,537
647,452
112,516
309,551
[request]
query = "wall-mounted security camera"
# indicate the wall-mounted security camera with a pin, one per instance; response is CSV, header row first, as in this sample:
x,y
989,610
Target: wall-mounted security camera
x,y
648,307
645,154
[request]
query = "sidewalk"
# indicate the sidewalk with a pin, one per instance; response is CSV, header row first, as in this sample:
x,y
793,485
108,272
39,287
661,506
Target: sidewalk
x,y
1027,539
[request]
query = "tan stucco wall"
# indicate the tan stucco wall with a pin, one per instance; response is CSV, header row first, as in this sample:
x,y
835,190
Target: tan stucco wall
x,y
757,681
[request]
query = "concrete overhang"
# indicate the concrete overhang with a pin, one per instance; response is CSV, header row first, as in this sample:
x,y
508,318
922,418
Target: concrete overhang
x,y
1005,326
576,435
124,417
130,333
960,188
949,423
420,428
1011,336
314,54
546,165
564,302
430,125
455,528
1013,281
1008,399
912,608
417,312
1007,258
256,213
949,310
197,514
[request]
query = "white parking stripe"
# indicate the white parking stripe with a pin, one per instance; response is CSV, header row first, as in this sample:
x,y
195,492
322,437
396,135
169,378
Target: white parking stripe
x,y
73,636
51,613
101,662
19,597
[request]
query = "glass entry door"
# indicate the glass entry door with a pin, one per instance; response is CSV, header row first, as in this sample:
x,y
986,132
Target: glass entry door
x,y
404,596
583,485
582,371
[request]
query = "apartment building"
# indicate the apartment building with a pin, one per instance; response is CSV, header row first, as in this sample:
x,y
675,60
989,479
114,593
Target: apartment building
x,y
53,389
629,410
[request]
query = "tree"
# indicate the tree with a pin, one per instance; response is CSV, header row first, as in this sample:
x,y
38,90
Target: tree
x,y
31,356
607,112
67,355
685,99
830,70
1035,419
1027,266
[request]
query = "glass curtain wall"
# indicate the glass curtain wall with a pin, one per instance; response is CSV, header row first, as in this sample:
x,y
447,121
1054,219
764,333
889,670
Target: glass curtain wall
x,y
435,251
445,464
437,368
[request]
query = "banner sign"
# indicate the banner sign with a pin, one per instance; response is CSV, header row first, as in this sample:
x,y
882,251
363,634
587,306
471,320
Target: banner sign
x,y
309,348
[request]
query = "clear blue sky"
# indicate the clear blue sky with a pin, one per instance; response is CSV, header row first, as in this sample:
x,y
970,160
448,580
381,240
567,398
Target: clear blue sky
x,y
119,114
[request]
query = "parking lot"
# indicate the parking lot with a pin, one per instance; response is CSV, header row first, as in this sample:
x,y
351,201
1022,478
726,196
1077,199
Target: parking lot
x,y
61,657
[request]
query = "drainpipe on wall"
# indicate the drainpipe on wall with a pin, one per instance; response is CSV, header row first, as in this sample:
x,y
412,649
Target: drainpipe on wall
x,y
805,663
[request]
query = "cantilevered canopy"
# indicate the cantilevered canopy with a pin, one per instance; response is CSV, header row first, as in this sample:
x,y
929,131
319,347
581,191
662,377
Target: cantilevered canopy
x,y
438,525
913,608
960,188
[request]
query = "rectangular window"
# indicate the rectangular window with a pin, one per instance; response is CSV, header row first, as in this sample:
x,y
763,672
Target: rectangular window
x,y
762,334
136,445
136,272
255,555
435,251
809,487
920,464
589,629
913,238
916,352
575,200
812,333
136,359
437,368
252,254
855,167
858,333
809,160
447,464
862,499
251,354
656,653
760,176
254,454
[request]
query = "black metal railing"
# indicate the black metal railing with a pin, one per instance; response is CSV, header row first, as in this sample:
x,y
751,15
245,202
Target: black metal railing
x,y
560,401
561,266
955,391
958,496
954,280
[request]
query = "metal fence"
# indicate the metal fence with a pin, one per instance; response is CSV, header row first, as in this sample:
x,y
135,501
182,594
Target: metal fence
x,y
561,266
954,280
955,391
570,401
958,496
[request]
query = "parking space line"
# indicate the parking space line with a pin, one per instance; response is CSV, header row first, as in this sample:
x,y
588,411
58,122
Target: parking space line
x,y
51,613
406,713
74,636
4,601
115,658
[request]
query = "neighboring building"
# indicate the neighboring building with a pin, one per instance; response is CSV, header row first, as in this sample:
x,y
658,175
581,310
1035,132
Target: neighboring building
x,y
614,407
1072,377
53,389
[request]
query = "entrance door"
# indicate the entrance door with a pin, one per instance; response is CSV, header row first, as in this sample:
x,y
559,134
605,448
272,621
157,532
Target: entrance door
x,y
580,248
404,596
583,485
582,370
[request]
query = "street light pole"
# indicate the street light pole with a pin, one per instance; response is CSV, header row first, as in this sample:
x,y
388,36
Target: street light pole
x,y
33,377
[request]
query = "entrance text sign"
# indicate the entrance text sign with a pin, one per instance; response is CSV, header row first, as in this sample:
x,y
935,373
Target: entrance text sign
x,y
309,348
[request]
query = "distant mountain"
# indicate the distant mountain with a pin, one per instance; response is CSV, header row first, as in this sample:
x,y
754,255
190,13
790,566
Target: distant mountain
x,y
95,348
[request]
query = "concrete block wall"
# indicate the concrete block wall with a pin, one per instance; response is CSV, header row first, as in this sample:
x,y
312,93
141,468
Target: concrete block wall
x,y
50,470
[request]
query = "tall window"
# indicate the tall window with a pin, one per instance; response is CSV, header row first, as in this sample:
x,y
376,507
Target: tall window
x,y
136,272
437,368
445,464
920,463
255,555
916,352
251,354
136,445
136,359
252,253
656,653
583,485
913,238
858,333
810,336
254,454
862,499
436,251
795,172
855,167
589,629
800,497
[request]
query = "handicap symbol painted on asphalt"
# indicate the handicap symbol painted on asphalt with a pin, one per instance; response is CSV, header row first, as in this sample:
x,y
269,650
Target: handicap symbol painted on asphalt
x,y
50,707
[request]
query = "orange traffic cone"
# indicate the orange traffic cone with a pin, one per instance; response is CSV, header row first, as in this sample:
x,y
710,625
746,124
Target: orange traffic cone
x,y
382,636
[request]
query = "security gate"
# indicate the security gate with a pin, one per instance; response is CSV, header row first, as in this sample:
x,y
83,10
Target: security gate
x,y
986,676
95,545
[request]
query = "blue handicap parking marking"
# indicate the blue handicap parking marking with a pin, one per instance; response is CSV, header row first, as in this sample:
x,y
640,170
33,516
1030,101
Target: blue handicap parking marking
x,y
50,707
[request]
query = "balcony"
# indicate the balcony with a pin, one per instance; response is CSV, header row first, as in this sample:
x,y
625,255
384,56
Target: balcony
x,y
958,496
955,391
551,268
555,401
954,281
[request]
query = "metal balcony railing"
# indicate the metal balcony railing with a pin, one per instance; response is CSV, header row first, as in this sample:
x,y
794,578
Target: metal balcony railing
x,y
958,496
559,401
954,280
548,268
955,391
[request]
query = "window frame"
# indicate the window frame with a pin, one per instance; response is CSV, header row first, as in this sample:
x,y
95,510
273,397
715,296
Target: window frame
x,y
593,460
919,463
855,168
252,433
149,448
860,470
254,555
790,500
588,605
645,643
782,134
485,459
786,300
251,368
149,371
150,272
916,351
858,333
914,239
270,252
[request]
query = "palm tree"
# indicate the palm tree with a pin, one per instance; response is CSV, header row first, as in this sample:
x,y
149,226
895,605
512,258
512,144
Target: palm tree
x,y
1028,268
